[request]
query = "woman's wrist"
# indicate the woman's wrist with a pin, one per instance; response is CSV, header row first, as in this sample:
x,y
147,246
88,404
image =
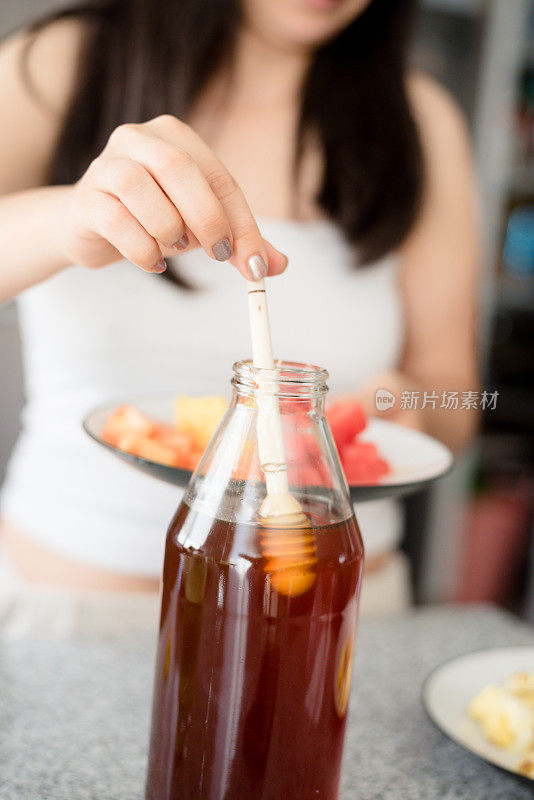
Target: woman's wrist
x,y
53,224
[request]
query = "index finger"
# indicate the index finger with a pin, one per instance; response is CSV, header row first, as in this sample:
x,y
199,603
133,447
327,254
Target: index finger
x,y
252,256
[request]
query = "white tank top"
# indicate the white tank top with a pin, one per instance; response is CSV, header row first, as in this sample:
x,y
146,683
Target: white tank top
x,y
92,337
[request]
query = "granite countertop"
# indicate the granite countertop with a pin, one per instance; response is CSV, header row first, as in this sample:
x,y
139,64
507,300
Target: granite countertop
x,y
74,716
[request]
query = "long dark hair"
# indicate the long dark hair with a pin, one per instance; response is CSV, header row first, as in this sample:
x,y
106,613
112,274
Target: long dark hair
x,y
143,58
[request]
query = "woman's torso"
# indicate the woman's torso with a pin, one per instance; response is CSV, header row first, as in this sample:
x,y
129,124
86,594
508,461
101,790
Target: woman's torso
x,y
108,335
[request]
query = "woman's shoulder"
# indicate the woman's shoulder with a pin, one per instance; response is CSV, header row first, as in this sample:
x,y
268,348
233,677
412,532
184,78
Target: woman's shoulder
x,y
38,72
43,61
442,124
448,199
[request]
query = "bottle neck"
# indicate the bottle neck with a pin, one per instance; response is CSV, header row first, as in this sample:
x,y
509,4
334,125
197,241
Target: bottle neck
x,y
291,383
256,455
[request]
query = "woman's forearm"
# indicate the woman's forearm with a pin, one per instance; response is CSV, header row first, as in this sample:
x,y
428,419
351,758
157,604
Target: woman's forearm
x,y
455,426
29,248
422,404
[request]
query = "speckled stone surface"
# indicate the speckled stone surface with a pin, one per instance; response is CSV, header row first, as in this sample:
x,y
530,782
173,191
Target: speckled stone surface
x,y
74,716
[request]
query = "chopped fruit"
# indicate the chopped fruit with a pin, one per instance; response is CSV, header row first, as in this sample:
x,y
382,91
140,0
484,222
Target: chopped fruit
x,y
169,436
304,459
187,454
505,715
130,430
362,463
304,474
143,446
526,766
521,684
346,419
198,417
503,719
126,419
191,460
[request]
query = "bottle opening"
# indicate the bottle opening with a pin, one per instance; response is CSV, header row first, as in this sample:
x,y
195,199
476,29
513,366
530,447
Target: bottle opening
x,y
293,379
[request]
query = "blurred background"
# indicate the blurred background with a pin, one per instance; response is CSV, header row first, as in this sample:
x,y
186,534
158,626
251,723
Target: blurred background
x,y
472,536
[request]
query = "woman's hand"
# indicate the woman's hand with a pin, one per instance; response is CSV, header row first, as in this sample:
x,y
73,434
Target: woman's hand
x,y
157,190
395,383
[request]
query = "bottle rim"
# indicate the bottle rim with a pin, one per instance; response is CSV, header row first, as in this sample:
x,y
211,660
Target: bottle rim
x,y
293,378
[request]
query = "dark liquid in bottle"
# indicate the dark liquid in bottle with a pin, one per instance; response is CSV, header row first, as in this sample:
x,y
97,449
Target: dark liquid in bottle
x,y
252,685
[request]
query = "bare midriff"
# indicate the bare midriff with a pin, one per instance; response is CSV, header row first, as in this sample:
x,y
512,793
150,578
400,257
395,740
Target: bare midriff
x,y
39,564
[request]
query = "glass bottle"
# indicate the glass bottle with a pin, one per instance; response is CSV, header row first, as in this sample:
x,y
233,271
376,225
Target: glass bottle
x,y
258,620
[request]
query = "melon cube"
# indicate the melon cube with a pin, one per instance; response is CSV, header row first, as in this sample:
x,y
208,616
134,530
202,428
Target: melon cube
x,y
198,417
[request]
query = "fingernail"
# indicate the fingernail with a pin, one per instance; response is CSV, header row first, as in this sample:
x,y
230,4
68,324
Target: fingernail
x,y
161,266
222,250
182,243
257,268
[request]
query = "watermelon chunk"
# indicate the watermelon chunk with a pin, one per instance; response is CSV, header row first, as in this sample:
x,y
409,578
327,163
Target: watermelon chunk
x,y
363,464
346,419
126,419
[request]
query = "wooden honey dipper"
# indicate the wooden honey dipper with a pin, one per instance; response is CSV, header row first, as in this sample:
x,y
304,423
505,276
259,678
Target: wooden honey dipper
x,y
287,541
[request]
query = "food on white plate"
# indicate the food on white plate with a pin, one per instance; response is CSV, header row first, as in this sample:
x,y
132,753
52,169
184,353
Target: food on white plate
x,y
195,422
526,765
361,461
198,417
179,445
505,716
521,684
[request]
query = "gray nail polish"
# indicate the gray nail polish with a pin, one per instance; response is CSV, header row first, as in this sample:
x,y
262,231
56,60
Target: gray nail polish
x,y
222,250
182,243
257,268
161,266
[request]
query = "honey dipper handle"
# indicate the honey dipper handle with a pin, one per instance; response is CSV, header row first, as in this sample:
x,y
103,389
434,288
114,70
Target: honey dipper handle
x,y
260,329
269,426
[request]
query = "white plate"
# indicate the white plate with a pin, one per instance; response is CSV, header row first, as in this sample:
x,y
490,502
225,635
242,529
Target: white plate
x,y
414,456
416,459
449,689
